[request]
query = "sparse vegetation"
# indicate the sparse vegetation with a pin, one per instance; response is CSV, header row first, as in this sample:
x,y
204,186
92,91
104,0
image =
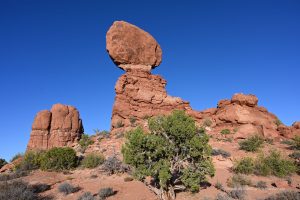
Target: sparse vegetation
x,y
225,132
223,197
2,162
132,120
219,186
40,187
272,164
238,180
67,188
252,143
19,190
105,192
244,166
238,193
31,161
59,158
223,153
269,141
15,157
119,124
85,141
176,155
113,165
87,196
278,122
285,195
296,142
295,155
207,123
14,175
92,160
261,185
287,142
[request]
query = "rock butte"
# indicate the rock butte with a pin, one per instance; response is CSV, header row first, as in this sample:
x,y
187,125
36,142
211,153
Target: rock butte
x,y
61,126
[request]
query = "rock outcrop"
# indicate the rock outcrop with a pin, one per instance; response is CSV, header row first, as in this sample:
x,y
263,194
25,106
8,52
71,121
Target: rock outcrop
x,y
61,126
140,95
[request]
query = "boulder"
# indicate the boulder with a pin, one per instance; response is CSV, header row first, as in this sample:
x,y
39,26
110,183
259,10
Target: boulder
x,y
242,99
131,47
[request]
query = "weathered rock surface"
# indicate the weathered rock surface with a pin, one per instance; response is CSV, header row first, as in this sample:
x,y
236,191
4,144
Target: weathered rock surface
x,y
61,126
129,45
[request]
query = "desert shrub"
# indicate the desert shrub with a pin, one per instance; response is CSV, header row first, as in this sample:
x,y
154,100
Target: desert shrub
x,y
278,122
14,175
2,162
223,197
59,158
67,188
18,190
244,166
176,155
207,123
31,160
15,157
132,120
105,192
219,186
252,143
238,180
40,187
261,185
225,132
85,141
274,164
269,141
238,193
87,196
223,153
285,195
287,142
296,142
92,160
113,165
295,155
119,124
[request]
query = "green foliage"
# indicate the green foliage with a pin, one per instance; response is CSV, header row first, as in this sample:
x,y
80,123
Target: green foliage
x,y
31,161
261,185
67,188
119,124
296,142
207,123
252,143
12,176
244,166
15,157
225,132
238,193
287,142
92,160
2,162
132,120
105,192
219,186
278,122
174,152
238,180
285,195
85,141
295,155
274,164
223,153
59,158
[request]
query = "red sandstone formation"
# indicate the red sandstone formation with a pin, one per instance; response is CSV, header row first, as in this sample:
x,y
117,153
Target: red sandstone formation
x,y
140,95
61,126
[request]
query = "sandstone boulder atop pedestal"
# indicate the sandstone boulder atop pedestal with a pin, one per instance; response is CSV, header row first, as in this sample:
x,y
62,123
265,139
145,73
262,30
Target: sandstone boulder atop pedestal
x,y
242,99
59,127
129,45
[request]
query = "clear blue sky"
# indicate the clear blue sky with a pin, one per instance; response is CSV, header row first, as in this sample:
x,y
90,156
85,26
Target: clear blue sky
x,y
54,51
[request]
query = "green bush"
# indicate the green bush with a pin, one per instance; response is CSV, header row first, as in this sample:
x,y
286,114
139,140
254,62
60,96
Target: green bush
x,y
244,166
92,160
285,195
296,142
278,122
207,123
238,180
225,132
31,161
119,124
2,162
105,192
15,157
59,158
85,141
252,143
274,164
67,188
175,154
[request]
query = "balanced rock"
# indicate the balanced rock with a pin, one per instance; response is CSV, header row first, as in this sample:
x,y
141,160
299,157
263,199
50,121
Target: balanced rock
x,y
130,46
59,127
